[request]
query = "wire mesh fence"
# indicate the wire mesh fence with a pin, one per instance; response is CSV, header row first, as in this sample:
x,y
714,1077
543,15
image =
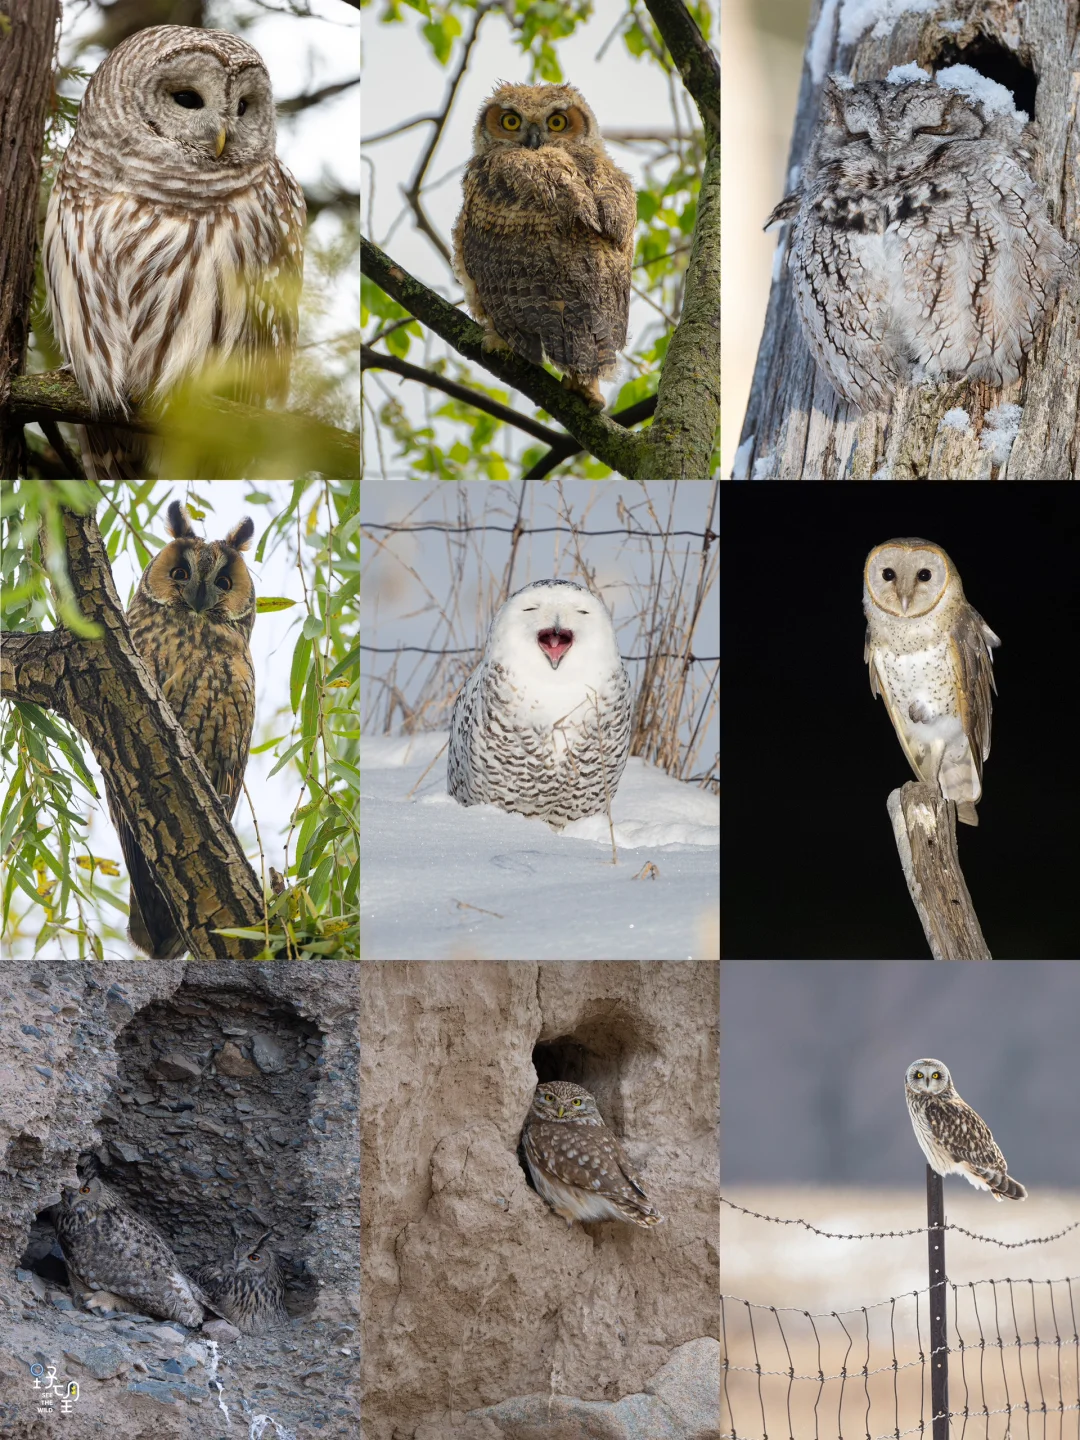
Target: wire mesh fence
x,y
1013,1352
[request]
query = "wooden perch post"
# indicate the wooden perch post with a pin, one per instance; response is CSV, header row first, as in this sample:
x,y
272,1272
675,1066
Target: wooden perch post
x,y
924,824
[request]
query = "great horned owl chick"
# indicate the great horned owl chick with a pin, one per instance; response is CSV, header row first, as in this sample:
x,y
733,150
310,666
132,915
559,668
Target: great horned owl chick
x,y
922,249
544,242
113,1254
577,1164
249,1290
190,620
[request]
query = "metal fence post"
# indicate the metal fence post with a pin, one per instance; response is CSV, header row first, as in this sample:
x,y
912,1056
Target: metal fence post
x,y
939,1340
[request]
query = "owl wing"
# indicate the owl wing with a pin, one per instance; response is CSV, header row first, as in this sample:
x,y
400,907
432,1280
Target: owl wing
x,y
970,646
879,688
623,1160
273,297
964,1133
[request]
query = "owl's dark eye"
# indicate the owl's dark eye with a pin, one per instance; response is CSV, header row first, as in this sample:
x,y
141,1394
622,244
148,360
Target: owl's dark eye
x,y
189,99
223,582
888,574
925,575
178,573
241,108
858,135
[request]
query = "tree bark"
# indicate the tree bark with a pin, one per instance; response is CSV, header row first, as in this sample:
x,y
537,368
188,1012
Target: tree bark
x,y
924,824
796,426
27,47
103,688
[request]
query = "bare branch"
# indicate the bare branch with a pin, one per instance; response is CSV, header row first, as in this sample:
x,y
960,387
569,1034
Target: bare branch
x,y
924,824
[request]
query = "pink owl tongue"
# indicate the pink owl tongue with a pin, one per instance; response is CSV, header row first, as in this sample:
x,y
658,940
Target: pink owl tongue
x,y
555,643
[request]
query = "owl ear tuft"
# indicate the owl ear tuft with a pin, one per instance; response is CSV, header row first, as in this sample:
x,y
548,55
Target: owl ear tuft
x,y
240,538
179,522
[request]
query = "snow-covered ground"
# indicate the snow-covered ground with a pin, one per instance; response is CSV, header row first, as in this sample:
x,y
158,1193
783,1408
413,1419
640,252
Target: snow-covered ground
x,y
442,882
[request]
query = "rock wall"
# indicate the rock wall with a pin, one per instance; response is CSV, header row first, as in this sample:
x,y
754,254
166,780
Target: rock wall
x,y
484,1315
219,1099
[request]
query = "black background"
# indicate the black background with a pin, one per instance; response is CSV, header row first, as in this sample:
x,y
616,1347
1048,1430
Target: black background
x,y
809,863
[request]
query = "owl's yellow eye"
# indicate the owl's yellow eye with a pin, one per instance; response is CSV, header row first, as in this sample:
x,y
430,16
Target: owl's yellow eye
x,y
577,1102
550,1099
511,121
936,1075
178,573
557,122
85,1190
919,1075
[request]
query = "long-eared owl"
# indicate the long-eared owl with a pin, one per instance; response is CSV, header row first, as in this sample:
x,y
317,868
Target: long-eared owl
x,y
190,620
544,242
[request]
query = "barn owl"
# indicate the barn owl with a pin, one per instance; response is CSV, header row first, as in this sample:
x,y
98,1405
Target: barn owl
x,y
929,657
953,1138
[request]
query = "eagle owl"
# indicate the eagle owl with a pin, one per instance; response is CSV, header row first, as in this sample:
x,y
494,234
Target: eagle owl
x,y
930,660
545,238
953,1138
249,1290
115,1257
577,1164
190,620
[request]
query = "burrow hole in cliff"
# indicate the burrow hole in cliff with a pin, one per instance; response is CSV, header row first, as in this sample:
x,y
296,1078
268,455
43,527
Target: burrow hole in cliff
x,y
206,1126
597,1056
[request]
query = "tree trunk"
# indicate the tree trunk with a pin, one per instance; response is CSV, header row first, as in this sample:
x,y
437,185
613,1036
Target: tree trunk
x,y
796,426
27,46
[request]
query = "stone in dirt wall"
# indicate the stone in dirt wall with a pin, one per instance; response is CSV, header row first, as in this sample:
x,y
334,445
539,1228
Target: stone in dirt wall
x,y
220,1100
484,1315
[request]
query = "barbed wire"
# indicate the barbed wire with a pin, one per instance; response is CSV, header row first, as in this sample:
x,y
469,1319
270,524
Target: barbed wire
x,y
709,536
900,1234
760,1373
475,650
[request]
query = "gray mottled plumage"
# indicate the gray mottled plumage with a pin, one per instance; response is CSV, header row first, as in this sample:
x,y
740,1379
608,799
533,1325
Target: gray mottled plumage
x,y
542,725
954,1139
248,1290
114,1252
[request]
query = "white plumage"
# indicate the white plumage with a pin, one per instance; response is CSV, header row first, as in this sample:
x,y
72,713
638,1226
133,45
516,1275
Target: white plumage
x,y
542,725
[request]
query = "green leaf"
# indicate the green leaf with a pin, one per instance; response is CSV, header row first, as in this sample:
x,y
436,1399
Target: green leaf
x,y
300,662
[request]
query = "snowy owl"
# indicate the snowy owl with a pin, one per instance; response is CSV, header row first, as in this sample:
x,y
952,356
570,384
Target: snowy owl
x,y
524,732
953,1138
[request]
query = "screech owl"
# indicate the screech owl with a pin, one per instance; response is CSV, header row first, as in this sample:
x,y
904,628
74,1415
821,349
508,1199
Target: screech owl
x,y
190,619
930,659
922,249
953,1138
577,1164
248,1290
544,242
174,235
115,1257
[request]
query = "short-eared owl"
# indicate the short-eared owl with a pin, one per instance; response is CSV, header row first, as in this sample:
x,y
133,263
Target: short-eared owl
x,y
953,1138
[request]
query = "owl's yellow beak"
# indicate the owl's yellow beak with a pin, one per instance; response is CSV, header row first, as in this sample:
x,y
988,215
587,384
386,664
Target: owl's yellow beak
x,y
220,145
560,1112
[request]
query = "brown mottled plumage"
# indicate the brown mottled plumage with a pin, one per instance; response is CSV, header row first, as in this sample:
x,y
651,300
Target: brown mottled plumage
x,y
190,620
116,1257
249,1290
544,242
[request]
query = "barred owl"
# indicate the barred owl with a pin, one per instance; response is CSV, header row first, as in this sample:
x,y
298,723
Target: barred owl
x,y
577,1164
545,238
922,249
190,620
174,235
953,1138
930,657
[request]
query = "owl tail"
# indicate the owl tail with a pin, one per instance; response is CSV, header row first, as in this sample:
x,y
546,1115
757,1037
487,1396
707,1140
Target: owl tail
x,y
966,812
1003,1187
112,453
